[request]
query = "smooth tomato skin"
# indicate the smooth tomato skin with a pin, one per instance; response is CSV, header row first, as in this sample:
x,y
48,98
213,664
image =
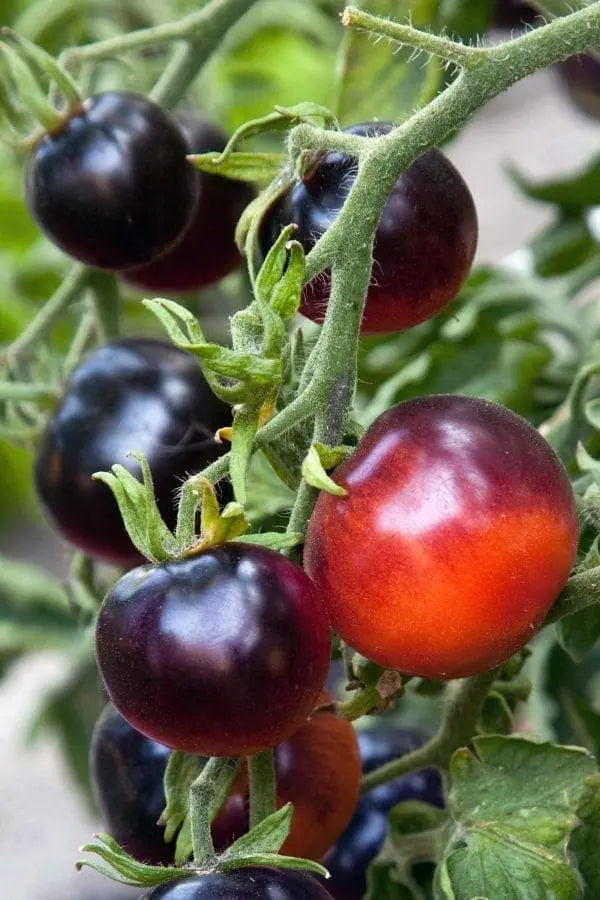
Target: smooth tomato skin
x,y
424,244
456,536
207,251
112,187
318,770
126,771
222,654
361,841
243,884
132,394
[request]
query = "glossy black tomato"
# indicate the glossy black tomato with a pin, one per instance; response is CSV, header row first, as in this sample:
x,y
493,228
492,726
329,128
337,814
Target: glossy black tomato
x,y
126,771
133,394
581,76
207,251
243,884
222,654
515,14
112,187
424,243
361,841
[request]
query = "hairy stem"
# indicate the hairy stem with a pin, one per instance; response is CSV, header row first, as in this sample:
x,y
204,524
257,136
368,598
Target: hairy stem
x,y
261,773
463,706
207,794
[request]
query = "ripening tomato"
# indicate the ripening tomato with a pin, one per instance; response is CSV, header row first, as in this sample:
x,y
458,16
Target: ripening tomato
x,y
242,884
318,770
223,654
424,243
457,533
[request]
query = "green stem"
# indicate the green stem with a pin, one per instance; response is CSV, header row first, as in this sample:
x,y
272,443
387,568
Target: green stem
x,y
69,291
207,794
261,773
107,302
207,25
464,704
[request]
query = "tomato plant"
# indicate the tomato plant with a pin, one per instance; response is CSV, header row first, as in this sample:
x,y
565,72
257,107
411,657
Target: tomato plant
x,y
424,243
456,534
138,395
112,186
224,633
420,474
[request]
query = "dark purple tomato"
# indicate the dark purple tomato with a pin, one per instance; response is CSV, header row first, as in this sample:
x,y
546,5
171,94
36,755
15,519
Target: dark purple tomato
x,y
514,14
455,537
243,884
112,186
222,654
424,243
126,771
361,841
581,76
207,251
133,394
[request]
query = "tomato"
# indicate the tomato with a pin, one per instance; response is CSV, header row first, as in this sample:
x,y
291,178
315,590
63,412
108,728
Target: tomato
x,y
455,538
207,251
126,771
243,884
514,14
223,654
318,770
133,394
424,243
112,187
581,76
361,841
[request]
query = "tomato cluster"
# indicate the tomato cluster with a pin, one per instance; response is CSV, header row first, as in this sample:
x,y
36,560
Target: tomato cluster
x,y
424,243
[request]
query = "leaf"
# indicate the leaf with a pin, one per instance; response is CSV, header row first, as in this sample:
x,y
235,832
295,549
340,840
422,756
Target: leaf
x,y
266,837
495,716
257,167
585,840
573,195
515,802
314,473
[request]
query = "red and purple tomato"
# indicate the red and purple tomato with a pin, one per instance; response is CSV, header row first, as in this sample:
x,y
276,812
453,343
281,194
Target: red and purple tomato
x,y
207,250
223,654
132,394
318,770
456,535
112,186
424,244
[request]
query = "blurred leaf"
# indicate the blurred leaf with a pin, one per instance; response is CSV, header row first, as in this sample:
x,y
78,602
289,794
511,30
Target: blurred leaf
x,y
566,244
585,840
573,194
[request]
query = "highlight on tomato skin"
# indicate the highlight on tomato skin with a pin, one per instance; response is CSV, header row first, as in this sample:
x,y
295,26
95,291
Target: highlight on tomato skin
x,y
206,251
222,654
424,243
242,884
131,394
456,536
318,771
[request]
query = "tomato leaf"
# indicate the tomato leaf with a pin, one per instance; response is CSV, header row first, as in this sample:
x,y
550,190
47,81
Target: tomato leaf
x,y
572,195
586,838
515,803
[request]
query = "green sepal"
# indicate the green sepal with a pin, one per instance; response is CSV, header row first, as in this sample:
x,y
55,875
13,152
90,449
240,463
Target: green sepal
x,y
30,90
245,426
124,868
275,540
313,472
259,168
281,120
181,770
273,861
137,505
47,64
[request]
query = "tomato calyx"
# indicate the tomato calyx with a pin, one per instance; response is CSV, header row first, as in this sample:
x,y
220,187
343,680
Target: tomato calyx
x,y
375,690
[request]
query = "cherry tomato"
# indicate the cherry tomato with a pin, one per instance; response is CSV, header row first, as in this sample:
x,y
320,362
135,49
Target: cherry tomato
x,y
514,14
127,772
112,187
222,654
207,251
581,76
243,884
455,538
133,394
361,841
318,770
424,243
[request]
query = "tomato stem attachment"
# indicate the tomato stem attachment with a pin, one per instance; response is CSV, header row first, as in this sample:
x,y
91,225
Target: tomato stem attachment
x,y
261,773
